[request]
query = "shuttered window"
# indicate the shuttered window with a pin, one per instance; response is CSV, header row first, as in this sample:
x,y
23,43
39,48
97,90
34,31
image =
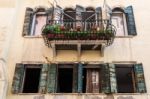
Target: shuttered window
x,y
30,78
130,78
34,21
124,22
82,78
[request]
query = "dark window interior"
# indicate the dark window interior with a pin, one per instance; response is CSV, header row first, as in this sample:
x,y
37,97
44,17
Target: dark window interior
x,y
84,81
31,81
125,78
65,80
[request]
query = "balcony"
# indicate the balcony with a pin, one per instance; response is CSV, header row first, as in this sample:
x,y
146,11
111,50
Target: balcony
x,y
69,34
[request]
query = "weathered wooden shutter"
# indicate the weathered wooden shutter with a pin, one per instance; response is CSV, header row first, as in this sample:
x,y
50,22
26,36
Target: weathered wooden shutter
x,y
27,21
75,78
80,79
57,15
50,13
105,81
52,78
92,81
43,78
139,76
130,21
79,10
113,81
98,11
17,79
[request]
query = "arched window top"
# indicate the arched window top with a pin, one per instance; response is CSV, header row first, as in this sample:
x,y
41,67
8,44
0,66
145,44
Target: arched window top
x,y
117,9
69,9
90,9
40,9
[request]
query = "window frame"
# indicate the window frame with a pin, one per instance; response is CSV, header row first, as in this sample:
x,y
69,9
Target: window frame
x,y
133,79
125,30
33,23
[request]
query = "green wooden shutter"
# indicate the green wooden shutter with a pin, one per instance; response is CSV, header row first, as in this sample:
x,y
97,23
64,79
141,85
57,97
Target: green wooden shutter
x,y
130,21
139,76
17,79
105,81
75,78
113,81
27,21
52,78
43,78
80,79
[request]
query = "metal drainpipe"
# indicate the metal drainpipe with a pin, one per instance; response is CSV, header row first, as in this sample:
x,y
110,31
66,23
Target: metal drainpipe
x,y
5,80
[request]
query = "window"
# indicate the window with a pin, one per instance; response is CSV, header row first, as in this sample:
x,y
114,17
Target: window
x,y
34,21
79,78
123,20
65,80
39,20
30,78
125,79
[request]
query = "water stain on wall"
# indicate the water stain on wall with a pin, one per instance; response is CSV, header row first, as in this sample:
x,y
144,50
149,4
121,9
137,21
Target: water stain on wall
x,y
92,97
127,97
109,97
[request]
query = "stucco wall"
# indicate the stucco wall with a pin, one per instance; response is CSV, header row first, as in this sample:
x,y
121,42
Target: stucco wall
x,y
33,49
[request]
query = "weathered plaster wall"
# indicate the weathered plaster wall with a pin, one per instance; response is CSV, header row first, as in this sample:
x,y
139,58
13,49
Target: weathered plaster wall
x,y
33,49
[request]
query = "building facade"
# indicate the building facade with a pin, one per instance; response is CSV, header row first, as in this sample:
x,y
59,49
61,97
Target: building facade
x,y
74,49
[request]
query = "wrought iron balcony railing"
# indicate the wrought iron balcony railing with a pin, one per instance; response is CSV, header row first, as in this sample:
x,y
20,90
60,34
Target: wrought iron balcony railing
x,y
79,30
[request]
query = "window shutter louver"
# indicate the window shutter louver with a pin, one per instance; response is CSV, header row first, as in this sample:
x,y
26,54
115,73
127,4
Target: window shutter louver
x,y
52,78
105,82
130,21
113,81
27,21
140,81
75,78
80,79
17,79
43,79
